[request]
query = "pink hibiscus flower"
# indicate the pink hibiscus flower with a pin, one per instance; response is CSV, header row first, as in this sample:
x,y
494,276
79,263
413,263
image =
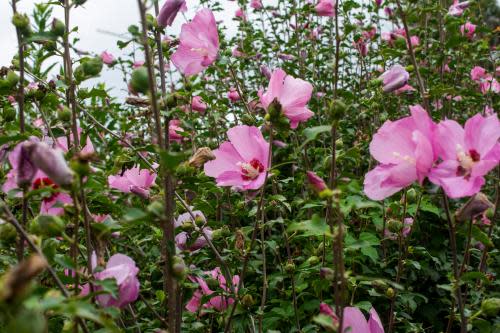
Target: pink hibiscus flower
x,y
292,94
199,44
242,161
354,320
133,180
406,152
467,154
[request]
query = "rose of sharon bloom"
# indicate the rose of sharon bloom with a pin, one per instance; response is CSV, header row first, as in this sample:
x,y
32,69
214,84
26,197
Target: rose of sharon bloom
x,y
199,44
256,4
467,154
62,143
457,9
233,95
240,13
486,81
292,94
184,240
220,302
133,180
107,58
326,8
317,183
123,269
468,30
198,105
169,11
354,320
406,152
242,161
394,78
175,130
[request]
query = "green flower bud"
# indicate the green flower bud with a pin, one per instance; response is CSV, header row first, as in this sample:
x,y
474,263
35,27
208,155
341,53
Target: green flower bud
x,y
64,113
394,225
411,195
337,109
247,300
290,267
390,293
274,109
178,267
22,22
79,74
410,68
217,234
50,225
9,113
7,231
140,80
490,307
92,67
12,78
313,260
58,28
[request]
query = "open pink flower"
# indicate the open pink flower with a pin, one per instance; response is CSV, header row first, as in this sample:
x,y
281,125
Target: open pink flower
x,y
292,94
326,8
242,161
457,8
184,240
54,204
406,152
199,44
467,154
219,302
198,105
133,180
169,11
122,269
107,58
394,78
62,143
487,83
354,320
468,30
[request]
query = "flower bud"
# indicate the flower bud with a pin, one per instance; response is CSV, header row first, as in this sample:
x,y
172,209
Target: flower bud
x,y
50,225
22,22
247,300
476,205
316,182
313,260
390,292
490,307
64,113
290,267
202,155
8,113
50,161
7,231
26,168
394,225
92,67
274,109
139,81
58,27
326,273
12,78
178,267
212,283
337,109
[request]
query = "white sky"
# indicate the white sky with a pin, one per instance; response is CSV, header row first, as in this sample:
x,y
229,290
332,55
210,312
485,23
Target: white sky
x,y
97,15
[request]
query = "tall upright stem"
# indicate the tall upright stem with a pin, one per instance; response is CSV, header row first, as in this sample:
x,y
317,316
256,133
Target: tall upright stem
x,y
456,273
20,103
168,248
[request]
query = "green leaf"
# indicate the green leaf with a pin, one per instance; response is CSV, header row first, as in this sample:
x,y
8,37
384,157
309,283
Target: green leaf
x,y
482,237
312,132
316,226
170,160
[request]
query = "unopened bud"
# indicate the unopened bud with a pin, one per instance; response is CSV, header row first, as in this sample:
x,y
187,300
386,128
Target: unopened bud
x,y
139,81
178,267
50,161
490,307
202,155
58,27
390,293
337,109
247,300
475,206
290,267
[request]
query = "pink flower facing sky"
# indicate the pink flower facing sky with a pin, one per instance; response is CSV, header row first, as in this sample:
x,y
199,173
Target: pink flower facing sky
x,y
133,180
123,269
467,154
292,94
242,161
107,58
354,320
406,153
199,44
220,302
325,8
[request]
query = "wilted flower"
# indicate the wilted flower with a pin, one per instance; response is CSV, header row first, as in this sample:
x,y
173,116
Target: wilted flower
x,y
202,156
242,161
199,44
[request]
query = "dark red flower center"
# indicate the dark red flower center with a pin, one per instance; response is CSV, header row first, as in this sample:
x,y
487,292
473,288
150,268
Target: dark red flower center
x,y
251,170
